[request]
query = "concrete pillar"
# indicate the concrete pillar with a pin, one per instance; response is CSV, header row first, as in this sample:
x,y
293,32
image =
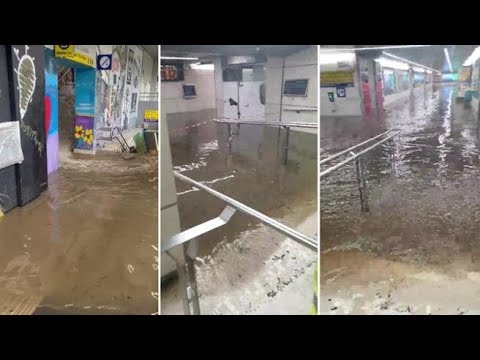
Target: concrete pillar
x,y
372,80
398,81
370,90
218,75
411,77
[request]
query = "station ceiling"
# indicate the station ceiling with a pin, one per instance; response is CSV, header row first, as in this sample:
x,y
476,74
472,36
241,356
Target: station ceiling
x,y
433,56
230,50
151,50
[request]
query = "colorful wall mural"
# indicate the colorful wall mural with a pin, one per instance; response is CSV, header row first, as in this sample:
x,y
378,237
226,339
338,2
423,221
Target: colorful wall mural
x,y
118,92
132,85
28,75
84,109
51,110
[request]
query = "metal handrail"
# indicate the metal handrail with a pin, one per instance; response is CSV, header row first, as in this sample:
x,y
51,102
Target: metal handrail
x,y
268,123
342,163
353,147
281,228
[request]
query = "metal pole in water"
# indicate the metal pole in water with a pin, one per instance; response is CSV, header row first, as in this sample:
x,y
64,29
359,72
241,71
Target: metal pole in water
x,y
287,141
364,184
359,182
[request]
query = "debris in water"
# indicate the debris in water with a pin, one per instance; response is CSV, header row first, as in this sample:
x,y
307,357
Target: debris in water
x,y
334,308
155,294
128,156
130,269
272,293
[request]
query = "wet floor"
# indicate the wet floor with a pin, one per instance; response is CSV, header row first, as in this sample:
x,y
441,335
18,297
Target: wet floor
x,y
424,192
244,264
89,244
252,172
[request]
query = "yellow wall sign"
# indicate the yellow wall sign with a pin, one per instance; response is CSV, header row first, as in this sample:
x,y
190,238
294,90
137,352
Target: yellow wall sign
x,y
337,78
151,115
62,50
68,52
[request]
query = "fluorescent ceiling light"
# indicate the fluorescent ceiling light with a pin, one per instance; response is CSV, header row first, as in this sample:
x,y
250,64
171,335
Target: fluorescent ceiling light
x,y
418,69
373,48
409,62
473,57
392,64
445,50
202,67
178,58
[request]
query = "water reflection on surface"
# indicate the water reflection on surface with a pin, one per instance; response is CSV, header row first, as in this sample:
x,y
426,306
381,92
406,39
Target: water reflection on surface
x,y
252,172
424,196
424,189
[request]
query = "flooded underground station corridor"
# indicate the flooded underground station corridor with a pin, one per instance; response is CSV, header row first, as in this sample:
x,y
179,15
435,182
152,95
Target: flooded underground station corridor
x,y
244,266
78,224
245,255
417,251
85,247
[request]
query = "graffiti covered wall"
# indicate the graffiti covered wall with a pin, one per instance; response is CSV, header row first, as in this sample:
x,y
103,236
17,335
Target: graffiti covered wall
x,y
28,80
118,92
51,110
132,86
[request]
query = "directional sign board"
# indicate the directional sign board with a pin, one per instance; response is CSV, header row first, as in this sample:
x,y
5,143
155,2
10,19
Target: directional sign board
x,y
104,62
341,92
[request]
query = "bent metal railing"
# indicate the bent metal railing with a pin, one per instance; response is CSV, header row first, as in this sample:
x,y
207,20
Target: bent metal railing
x,y
190,237
359,163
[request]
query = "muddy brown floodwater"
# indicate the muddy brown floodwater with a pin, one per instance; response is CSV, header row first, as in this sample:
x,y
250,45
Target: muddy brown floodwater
x,y
88,244
418,249
243,265
252,173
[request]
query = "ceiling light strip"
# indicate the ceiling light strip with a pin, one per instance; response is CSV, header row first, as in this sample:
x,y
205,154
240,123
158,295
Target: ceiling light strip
x,y
373,48
445,50
409,62
178,58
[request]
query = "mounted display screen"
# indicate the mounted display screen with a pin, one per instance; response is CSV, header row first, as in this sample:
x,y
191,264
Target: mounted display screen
x,y
295,87
189,91
172,71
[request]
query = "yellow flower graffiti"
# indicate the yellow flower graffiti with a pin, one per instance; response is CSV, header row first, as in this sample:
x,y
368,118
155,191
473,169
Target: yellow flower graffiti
x,y
88,137
78,132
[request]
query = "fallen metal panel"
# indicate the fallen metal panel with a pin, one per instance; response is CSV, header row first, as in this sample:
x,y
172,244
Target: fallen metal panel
x,y
198,230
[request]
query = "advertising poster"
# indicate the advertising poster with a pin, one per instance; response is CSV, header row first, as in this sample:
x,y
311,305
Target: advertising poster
x,y
84,109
